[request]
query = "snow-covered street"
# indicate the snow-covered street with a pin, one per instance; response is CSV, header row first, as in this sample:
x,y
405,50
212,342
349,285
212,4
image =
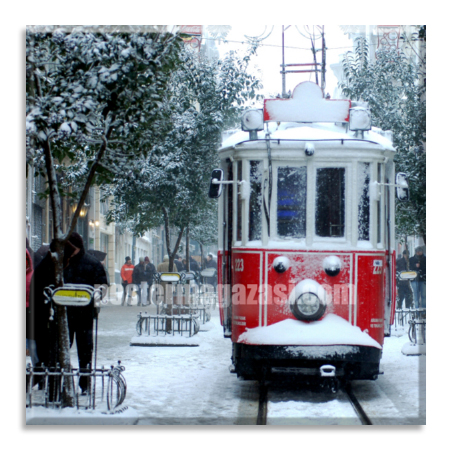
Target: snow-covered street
x,y
193,386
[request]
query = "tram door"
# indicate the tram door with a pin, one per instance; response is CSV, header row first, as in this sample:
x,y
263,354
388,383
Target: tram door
x,y
227,240
390,281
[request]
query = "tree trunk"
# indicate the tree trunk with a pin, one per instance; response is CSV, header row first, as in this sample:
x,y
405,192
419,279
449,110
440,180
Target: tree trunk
x,y
188,263
171,255
58,257
201,255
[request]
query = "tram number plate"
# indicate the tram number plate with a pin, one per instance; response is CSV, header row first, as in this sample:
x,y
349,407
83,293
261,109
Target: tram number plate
x,y
239,265
377,266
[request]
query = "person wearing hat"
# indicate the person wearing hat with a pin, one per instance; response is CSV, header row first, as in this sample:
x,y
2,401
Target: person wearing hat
x,y
419,263
403,286
126,273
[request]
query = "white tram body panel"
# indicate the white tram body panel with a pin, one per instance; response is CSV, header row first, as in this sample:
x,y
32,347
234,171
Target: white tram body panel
x,y
306,240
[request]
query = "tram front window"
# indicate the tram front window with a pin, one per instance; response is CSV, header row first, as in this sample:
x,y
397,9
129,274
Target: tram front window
x,y
330,202
291,202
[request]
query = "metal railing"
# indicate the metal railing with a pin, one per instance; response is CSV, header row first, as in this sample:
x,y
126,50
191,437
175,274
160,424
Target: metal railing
x,y
167,324
45,386
415,319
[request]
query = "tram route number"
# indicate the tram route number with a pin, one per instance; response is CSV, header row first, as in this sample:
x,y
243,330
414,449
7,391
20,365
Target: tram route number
x,y
239,265
377,267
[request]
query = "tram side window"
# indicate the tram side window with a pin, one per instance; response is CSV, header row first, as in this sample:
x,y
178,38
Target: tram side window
x,y
364,201
291,202
256,175
330,202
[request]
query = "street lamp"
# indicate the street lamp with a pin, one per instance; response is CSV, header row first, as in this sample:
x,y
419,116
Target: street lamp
x,y
83,211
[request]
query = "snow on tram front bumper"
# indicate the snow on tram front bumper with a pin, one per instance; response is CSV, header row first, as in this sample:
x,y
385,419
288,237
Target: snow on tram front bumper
x,y
302,348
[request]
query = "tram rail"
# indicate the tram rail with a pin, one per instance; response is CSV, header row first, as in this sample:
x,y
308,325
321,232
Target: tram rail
x,y
263,414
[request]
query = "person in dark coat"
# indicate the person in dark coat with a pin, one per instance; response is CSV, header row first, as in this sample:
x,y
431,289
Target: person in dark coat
x,y
36,257
39,327
193,265
79,268
178,263
83,269
404,286
140,274
149,273
419,263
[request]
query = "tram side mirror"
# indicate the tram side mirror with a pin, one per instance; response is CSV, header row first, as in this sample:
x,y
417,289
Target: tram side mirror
x,y
402,187
215,190
409,275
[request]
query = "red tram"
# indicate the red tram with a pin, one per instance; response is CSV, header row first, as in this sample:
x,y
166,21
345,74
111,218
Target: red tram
x,y
306,255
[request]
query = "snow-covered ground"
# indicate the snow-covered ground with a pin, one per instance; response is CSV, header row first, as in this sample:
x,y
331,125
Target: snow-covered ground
x,y
193,386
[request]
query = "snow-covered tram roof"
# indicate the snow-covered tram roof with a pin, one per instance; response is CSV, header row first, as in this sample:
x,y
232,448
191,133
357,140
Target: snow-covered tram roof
x,y
307,132
308,117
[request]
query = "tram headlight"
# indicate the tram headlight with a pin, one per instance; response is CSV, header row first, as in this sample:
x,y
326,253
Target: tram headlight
x,y
360,119
308,301
308,307
332,265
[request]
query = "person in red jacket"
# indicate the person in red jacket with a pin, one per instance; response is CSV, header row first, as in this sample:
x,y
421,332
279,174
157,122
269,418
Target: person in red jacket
x,y
127,276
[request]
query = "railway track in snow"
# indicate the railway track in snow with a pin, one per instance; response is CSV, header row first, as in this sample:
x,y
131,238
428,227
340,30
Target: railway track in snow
x,y
293,407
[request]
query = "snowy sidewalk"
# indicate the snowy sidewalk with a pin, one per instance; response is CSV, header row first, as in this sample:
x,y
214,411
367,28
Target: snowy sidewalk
x,y
193,386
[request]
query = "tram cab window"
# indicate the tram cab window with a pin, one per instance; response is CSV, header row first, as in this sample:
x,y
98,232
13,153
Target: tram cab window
x,y
330,202
255,216
363,180
291,202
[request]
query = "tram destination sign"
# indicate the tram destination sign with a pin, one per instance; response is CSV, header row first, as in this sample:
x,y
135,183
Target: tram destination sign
x,y
306,105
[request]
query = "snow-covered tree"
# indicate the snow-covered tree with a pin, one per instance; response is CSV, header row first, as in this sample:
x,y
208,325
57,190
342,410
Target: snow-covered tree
x,y
170,186
92,105
205,233
394,87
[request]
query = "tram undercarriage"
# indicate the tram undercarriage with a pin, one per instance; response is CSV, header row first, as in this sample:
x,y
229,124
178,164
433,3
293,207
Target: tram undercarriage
x,y
349,362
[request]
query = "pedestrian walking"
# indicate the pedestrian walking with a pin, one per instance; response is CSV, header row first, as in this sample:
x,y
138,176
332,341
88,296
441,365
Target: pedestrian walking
x,y
193,265
178,263
139,277
126,273
404,286
419,263
211,264
83,268
149,272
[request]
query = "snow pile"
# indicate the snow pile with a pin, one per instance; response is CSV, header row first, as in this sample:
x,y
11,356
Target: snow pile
x,y
331,330
72,416
176,340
